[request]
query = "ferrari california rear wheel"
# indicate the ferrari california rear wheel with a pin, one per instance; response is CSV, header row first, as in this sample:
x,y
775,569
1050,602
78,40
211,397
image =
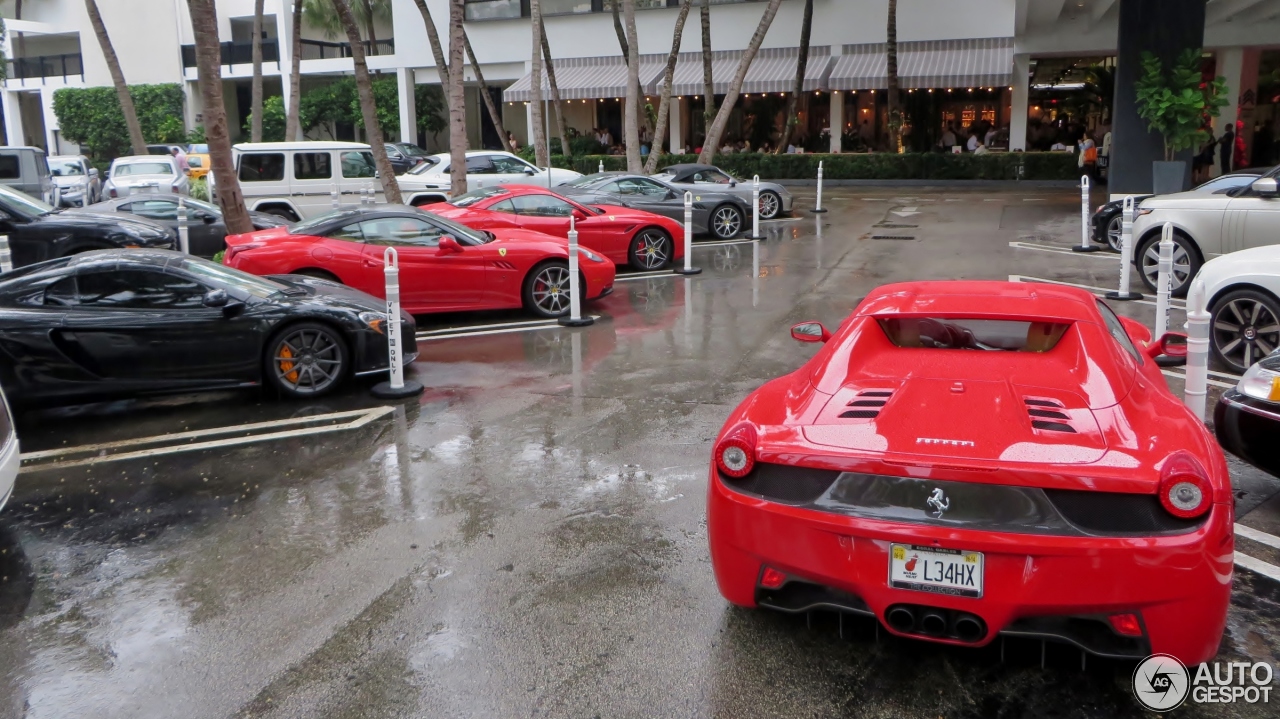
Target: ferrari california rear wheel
x,y
770,205
726,222
307,359
546,289
1245,328
651,249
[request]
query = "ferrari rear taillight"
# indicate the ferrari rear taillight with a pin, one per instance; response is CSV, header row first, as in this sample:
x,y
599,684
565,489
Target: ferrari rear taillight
x,y
736,453
1184,487
1126,625
771,578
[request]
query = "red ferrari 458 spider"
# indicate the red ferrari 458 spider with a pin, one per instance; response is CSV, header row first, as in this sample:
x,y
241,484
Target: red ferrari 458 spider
x,y
444,267
627,237
963,460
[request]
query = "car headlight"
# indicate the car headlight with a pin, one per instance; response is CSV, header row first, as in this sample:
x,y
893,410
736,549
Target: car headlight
x,y
1142,211
589,254
1262,380
376,321
1100,208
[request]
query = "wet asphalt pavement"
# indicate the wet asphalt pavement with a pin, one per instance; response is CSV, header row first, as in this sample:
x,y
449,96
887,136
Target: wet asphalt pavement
x,y
528,538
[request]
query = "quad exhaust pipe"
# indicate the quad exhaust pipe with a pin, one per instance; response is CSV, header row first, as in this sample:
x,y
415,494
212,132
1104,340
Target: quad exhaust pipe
x,y
902,619
935,622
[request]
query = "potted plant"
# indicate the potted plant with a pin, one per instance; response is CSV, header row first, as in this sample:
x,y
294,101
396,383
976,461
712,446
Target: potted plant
x,y
1178,105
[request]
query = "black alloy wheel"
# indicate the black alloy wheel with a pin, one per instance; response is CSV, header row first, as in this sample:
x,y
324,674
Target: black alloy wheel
x,y
1245,327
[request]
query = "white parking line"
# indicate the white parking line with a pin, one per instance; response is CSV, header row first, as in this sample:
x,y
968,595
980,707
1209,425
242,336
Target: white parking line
x,y
358,419
721,243
469,328
643,275
1260,537
483,330
1270,571
1212,382
783,219
1062,251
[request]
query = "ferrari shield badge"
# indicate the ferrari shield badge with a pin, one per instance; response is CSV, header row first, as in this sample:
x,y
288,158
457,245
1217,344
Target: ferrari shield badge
x,y
612,218
697,198
502,252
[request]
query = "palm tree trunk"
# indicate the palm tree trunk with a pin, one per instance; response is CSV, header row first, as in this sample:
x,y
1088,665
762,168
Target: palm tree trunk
x,y
555,96
204,25
495,115
622,34
631,124
802,63
368,19
437,50
457,100
369,112
117,78
292,122
891,61
664,110
540,155
708,81
716,131
255,102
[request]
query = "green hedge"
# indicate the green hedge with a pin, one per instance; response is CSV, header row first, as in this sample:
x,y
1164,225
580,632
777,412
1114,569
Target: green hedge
x,y
91,117
873,166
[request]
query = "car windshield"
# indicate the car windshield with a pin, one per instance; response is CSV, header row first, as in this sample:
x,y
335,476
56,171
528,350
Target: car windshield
x,y
470,198
259,287
588,181
70,167
193,203
22,203
142,168
1226,182
422,167
304,228
964,333
413,151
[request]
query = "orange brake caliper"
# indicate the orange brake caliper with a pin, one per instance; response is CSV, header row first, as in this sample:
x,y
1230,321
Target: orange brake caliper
x,y
286,366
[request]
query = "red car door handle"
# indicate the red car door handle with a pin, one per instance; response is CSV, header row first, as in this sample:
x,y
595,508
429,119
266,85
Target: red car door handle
x,y
372,263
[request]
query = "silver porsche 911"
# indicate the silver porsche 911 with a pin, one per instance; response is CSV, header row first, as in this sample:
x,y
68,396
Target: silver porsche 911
x,y
774,198
716,212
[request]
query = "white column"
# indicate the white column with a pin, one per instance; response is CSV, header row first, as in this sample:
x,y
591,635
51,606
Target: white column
x,y
677,132
50,122
12,118
408,106
1021,98
836,122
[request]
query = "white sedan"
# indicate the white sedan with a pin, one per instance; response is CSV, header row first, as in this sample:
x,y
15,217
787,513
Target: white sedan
x,y
1243,292
429,182
1205,226
141,174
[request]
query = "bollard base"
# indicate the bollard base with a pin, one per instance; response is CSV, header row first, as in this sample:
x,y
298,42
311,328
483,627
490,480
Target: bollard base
x,y
818,210
690,271
759,237
580,322
1163,361
384,390
1086,248
1125,297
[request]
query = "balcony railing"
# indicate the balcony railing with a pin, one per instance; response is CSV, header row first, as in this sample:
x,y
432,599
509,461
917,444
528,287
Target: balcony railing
x,y
64,66
321,50
236,53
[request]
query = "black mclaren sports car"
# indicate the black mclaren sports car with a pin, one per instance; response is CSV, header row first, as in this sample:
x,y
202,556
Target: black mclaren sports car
x,y
122,323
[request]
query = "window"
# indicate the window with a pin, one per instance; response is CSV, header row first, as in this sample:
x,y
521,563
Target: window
x,y
143,168
1117,331
10,167
963,333
350,233
641,186
481,165
61,293
195,161
541,206
503,206
358,164
139,289
67,168
493,9
712,177
393,152
262,167
154,209
509,165
312,166
400,231
477,195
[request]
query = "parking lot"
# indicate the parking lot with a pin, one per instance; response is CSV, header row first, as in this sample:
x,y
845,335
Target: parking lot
x,y
528,537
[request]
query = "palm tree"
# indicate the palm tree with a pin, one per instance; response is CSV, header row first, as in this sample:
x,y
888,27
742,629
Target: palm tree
x,y
626,49
204,25
631,124
255,102
716,130
540,154
555,95
664,112
292,129
136,139
369,111
891,57
802,63
457,104
708,81
437,51
321,15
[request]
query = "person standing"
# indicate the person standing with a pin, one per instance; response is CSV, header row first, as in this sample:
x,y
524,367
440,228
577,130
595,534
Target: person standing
x,y
1227,148
181,157
972,145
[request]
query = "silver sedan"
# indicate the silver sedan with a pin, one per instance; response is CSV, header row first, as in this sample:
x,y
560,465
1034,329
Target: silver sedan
x,y
774,198
718,213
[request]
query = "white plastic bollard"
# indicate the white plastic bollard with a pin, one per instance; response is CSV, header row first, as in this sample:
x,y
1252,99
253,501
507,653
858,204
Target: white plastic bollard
x,y
575,318
1197,382
1164,280
396,386
689,269
1126,255
602,166
1085,245
333,196
755,273
817,207
755,208
548,177
184,233
6,257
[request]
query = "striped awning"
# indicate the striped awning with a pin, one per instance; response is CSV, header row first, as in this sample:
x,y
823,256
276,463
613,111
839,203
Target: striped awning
x,y
585,78
772,70
984,62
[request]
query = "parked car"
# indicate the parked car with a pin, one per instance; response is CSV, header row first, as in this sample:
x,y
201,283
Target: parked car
x,y
1205,226
295,180
775,200
624,235
428,183
78,182
199,164
128,323
206,231
1241,291
1108,219
163,149
38,231
960,479
26,169
1247,417
444,267
145,174
405,155
10,454
718,213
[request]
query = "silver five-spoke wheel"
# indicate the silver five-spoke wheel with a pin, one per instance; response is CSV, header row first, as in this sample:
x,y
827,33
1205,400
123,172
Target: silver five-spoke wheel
x,y
548,292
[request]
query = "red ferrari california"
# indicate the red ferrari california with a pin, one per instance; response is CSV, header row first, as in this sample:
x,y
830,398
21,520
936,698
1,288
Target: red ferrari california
x,y
625,236
962,460
444,267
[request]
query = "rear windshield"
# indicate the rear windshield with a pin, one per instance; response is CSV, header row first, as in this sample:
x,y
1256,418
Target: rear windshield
x,y
143,168
959,333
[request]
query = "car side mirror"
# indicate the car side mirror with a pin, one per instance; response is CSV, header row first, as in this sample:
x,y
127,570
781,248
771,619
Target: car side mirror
x,y
1265,187
449,245
578,215
529,171
810,332
671,194
733,183
216,298
1170,344
93,172
5,216
208,218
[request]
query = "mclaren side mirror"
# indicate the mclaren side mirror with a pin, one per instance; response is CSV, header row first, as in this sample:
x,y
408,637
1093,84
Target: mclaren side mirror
x,y
1265,187
449,245
810,332
1172,345
216,298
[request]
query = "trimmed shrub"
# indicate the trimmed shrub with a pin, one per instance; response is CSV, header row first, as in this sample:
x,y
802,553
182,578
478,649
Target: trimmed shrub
x,y
91,117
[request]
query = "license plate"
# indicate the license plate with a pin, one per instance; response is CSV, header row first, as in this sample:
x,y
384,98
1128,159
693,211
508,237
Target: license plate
x,y
936,570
